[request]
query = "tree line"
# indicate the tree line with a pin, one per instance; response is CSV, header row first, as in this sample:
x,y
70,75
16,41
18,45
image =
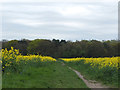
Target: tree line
x,y
64,49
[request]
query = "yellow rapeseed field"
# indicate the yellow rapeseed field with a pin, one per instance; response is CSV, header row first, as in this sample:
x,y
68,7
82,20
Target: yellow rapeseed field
x,y
10,57
35,58
101,62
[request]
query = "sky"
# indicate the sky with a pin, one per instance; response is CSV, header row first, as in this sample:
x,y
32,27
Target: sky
x,y
59,19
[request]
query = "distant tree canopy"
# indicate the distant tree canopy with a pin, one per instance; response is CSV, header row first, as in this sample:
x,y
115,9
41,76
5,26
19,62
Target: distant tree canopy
x,y
65,49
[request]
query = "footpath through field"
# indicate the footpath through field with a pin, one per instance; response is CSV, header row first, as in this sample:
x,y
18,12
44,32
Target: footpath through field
x,y
90,83
44,75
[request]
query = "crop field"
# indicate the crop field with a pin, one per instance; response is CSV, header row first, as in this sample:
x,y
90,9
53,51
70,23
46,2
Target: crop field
x,y
36,71
104,70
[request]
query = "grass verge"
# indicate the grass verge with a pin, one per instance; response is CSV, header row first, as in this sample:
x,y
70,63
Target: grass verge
x,y
51,75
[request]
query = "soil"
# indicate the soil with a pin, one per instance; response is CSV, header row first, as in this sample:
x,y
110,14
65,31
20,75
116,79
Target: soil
x,y
94,85
90,83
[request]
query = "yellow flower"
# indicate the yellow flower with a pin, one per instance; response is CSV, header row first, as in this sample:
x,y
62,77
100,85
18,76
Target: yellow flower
x,y
101,62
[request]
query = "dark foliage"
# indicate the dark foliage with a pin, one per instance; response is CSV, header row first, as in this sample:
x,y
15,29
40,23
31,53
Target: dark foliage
x,y
63,48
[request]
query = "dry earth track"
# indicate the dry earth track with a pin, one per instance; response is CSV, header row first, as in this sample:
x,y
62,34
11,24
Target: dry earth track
x,y
90,83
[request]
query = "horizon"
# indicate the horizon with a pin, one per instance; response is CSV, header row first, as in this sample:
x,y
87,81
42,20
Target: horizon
x,y
59,39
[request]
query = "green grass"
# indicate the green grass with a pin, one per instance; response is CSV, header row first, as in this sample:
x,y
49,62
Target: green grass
x,y
50,75
107,76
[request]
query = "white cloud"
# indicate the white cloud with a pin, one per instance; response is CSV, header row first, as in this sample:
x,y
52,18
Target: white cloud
x,y
73,24
35,23
79,20
74,10
30,23
4,1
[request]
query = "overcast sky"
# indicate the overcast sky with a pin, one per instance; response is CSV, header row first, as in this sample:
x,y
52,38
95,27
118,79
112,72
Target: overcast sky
x,y
64,19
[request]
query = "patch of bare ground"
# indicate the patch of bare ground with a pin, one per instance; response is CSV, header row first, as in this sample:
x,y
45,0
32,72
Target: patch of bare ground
x,y
90,83
94,85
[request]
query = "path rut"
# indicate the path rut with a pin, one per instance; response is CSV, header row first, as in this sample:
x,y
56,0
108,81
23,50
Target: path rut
x,y
90,83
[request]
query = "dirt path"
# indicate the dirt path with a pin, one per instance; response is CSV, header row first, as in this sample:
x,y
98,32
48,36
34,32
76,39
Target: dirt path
x,y
90,83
